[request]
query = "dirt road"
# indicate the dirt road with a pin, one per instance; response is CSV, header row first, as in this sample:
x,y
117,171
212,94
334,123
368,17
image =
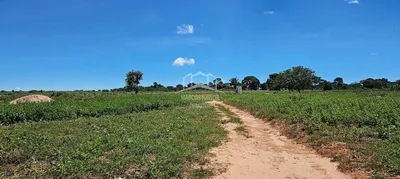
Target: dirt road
x,y
266,154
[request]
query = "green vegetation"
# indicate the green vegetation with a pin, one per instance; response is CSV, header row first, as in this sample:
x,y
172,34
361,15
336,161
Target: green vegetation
x,y
251,82
132,80
367,121
112,133
240,129
232,117
155,144
86,104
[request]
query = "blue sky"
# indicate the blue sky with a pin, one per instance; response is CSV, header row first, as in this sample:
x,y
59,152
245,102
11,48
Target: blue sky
x,y
91,44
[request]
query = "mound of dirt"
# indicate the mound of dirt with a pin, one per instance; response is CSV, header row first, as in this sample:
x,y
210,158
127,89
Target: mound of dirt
x,y
32,99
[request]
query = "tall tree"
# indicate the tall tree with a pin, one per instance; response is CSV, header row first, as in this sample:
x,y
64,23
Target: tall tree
x,y
133,80
299,78
155,85
251,82
234,82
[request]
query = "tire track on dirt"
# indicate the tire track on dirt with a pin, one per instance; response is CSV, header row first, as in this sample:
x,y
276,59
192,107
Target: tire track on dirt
x,y
266,154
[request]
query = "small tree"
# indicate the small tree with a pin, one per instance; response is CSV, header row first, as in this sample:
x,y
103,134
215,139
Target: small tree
x,y
338,82
179,87
234,82
133,80
170,88
219,83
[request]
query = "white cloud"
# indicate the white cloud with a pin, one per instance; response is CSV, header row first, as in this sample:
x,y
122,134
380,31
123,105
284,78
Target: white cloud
x,y
183,61
353,1
18,88
269,12
374,54
185,29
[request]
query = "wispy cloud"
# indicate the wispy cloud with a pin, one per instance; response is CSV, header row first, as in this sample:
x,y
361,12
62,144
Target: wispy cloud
x,y
185,29
18,88
183,61
374,54
352,1
269,12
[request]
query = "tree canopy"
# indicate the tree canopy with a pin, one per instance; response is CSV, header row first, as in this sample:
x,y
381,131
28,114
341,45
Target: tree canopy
x,y
133,80
294,79
251,82
297,78
234,82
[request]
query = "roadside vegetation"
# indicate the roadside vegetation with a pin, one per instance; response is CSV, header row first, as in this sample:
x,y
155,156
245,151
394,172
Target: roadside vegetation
x,y
366,122
155,144
233,118
229,114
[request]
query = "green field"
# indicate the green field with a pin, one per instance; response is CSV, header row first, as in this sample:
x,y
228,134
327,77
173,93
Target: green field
x,y
159,139
367,121
159,135
85,104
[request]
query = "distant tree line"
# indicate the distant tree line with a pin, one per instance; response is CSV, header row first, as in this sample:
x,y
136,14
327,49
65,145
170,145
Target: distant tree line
x,y
294,79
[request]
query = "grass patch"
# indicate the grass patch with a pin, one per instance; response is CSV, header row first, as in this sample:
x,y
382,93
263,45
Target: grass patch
x,y
232,117
241,129
155,144
202,173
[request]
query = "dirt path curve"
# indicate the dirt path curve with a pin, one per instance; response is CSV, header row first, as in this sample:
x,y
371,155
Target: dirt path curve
x,y
266,154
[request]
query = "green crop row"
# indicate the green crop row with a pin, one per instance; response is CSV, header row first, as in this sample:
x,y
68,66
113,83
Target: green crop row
x,y
74,105
368,121
154,144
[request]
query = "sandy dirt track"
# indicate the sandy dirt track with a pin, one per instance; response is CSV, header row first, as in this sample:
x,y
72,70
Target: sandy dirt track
x,y
266,154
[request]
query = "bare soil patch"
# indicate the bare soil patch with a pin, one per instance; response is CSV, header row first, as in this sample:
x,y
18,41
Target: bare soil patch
x,y
32,99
